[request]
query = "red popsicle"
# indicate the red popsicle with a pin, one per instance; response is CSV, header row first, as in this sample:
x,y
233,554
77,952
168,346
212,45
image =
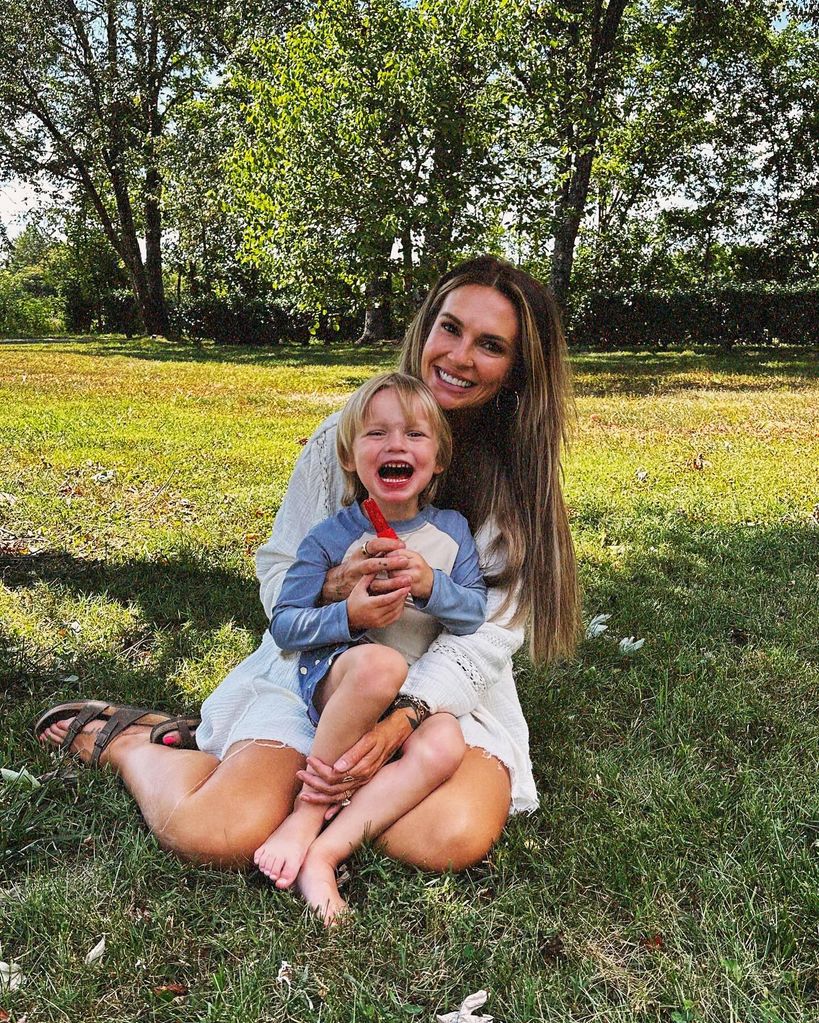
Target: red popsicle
x,y
382,528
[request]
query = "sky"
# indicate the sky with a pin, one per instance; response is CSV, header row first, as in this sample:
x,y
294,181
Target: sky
x,y
16,198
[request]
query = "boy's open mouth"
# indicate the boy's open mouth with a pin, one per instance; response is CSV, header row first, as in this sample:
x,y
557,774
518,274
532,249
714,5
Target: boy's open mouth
x,y
395,472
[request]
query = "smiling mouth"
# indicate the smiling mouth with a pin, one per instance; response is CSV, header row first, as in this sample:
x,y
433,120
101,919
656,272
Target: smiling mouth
x,y
395,472
453,381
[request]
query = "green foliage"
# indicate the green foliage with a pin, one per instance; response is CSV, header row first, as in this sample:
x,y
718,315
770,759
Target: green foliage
x,y
23,314
365,125
727,316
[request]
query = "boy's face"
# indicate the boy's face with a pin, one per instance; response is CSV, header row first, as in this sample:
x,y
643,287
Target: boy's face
x,y
395,456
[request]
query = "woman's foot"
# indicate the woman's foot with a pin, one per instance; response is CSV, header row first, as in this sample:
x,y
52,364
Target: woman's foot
x,y
83,744
317,884
280,857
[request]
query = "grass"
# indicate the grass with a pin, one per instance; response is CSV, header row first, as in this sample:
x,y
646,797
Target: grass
x,y
671,873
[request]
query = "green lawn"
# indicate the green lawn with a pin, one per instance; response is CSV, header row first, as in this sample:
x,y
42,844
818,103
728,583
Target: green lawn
x,y
671,873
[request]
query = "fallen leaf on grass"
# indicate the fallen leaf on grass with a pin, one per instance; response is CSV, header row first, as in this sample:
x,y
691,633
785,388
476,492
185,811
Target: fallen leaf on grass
x,y
106,476
654,941
22,777
4,1016
11,977
167,992
285,974
641,475
813,518
738,636
96,952
465,1014
8,499
629,645
597,626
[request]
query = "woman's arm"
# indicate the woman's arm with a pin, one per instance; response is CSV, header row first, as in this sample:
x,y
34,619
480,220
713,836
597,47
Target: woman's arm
x,y
313,493
456,671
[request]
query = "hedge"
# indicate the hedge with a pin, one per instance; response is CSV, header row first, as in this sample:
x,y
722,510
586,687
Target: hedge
x,y
726,317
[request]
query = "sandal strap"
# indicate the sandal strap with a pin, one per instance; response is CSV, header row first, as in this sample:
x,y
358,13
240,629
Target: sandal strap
x,y
121,719
90,712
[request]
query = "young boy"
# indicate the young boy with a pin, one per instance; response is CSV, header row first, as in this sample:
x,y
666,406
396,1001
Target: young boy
x,y
393,441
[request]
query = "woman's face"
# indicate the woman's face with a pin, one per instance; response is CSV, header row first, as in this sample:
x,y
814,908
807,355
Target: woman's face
x,y
471,347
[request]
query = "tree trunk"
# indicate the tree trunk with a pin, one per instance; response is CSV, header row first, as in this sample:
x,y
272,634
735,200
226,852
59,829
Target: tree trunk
x,y
378,314
569,210
156,315
581,144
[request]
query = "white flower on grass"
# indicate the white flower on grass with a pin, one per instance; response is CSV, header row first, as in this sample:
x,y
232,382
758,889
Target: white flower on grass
x,y
96,952
465,1014
630,645
597,626
11,977
22,777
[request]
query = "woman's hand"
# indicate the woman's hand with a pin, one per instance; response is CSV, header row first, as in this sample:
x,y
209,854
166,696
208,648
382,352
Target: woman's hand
x,y
331,785
385,557
374,611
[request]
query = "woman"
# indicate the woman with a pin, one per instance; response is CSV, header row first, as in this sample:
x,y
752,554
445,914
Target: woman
x,y
488,343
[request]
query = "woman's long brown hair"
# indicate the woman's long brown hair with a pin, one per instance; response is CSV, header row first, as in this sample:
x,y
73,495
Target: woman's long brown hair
x,y
508,466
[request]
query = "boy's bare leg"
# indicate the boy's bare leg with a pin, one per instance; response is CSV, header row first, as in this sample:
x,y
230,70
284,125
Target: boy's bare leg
x,y
359,687
429,756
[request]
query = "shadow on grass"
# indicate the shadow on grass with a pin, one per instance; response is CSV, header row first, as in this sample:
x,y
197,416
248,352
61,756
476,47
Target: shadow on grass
x,y
209,352
652,373
182,589
731,629
635,373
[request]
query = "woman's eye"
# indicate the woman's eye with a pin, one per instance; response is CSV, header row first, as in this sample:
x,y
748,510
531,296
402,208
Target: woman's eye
x,y
450,328
493,346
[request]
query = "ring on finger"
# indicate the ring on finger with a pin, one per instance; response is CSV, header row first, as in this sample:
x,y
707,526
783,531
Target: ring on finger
x,y
348,778
364,550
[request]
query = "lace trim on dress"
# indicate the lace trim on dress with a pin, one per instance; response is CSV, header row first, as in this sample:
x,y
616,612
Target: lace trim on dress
x,y
467,666
321,441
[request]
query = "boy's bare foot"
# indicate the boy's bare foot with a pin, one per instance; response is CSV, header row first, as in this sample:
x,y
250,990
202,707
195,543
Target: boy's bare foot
x,y
280,857
83,745
317,884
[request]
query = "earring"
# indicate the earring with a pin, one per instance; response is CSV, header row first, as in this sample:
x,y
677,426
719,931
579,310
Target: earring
x,y
504,402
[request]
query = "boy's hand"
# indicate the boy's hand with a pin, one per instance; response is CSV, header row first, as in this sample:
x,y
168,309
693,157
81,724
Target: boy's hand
x,y
420,575
373,611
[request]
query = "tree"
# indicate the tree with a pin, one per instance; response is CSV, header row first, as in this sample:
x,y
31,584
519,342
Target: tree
x,y
89,89
369,154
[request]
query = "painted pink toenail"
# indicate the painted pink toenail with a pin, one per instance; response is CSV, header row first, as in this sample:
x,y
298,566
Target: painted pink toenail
x,y
168,740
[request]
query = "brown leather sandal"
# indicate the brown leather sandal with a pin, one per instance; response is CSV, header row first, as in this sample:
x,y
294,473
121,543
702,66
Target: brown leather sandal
x,y
117,719
185,727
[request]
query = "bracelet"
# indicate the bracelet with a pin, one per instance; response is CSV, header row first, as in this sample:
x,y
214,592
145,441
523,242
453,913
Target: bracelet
x,y
421,709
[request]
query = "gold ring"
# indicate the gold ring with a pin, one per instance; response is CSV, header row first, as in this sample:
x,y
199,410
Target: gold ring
x,y
344,802
348,778
364,550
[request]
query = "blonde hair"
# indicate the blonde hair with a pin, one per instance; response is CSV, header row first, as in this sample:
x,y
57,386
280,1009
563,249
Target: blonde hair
x,y
413,395
514,451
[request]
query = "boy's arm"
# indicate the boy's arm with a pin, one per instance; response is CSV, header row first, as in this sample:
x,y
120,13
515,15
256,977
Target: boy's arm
x,y
458,600
297,623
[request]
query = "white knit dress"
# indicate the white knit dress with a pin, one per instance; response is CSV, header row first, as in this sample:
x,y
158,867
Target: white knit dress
x,y
468,676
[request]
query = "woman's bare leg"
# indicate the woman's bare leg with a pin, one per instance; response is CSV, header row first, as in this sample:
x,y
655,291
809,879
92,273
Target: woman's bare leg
x,y
199,807
457,824
359,687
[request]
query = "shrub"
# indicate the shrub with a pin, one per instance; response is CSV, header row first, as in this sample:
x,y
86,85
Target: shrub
x,y
729,316
23,313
